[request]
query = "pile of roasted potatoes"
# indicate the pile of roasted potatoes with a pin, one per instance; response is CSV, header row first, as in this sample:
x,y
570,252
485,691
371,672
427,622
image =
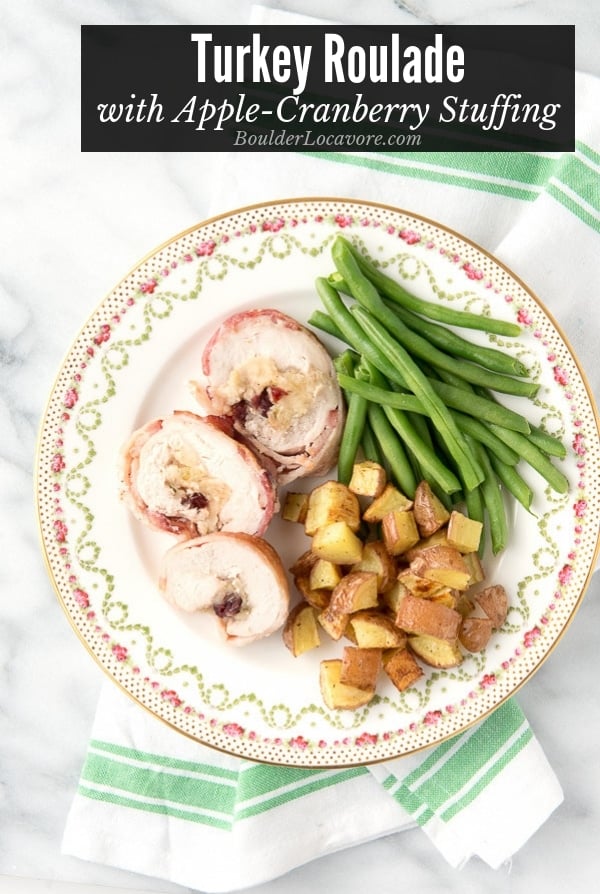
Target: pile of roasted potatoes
x,y
401,579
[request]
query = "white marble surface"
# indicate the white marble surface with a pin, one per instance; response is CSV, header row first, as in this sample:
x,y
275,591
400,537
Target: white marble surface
x,y
71,225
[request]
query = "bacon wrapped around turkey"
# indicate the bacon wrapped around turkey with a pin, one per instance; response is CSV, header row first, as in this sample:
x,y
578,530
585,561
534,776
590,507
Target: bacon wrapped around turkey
x,y
239,578
187,475
276,381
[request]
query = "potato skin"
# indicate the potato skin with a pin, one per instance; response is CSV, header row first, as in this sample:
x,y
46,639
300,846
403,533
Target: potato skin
x,y
474,633
374,630
422,616
430,512
494,602
360,667
338,695
439,653
300,631
402,668
355,591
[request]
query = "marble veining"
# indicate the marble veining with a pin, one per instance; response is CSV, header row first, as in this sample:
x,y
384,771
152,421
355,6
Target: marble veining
x,y
71,226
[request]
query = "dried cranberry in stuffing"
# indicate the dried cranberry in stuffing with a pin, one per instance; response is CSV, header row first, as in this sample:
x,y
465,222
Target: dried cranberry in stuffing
x,y
262,402
229,606
195,501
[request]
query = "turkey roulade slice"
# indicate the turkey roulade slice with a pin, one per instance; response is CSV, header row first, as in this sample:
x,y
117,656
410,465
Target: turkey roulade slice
x,y
277,383
185,474
237,577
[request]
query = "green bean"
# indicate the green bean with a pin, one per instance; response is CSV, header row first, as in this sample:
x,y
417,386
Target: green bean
x,y
392,450
356,414
414,432
420,385
534,457
368,297
367,374
547,443
474,504
452,343
411,404
323,321
476,511
421,427
440,312
427,458
449,377
353,333
369,444
446,339
398,399
513,482
455,400
544,442
463,399
481,407
493,502
346,362
480,432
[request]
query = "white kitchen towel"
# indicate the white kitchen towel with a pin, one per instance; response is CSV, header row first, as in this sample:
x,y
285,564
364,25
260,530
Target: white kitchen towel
x,y
151,801
154,802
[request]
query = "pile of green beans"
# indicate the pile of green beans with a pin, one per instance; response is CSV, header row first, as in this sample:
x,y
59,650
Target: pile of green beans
x,y
422,400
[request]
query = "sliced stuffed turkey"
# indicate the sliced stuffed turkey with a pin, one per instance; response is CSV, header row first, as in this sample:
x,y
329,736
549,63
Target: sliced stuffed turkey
x,y
236,577
276,382
187,475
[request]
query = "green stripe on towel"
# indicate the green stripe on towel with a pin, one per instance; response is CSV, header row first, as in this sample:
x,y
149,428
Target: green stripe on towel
x,y
473,791
568,178
314,781
159,807
197,791
452,776
160,759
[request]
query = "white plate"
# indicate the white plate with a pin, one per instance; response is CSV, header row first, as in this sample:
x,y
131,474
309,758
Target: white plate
x,y
133,360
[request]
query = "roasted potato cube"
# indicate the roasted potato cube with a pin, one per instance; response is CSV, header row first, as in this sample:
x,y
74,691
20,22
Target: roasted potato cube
x,y
394,596
355,591
368,479
473,563
338,695
474,633
421,586
446,597
399,531
444,564
391,498
494,602
303,564
463,533
331,502
300,631
333,622
375,557
402,668
337,543
430,512
324,575
360,667
295,507
370,629
417,615
436,539
463,602
440,653
319,599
